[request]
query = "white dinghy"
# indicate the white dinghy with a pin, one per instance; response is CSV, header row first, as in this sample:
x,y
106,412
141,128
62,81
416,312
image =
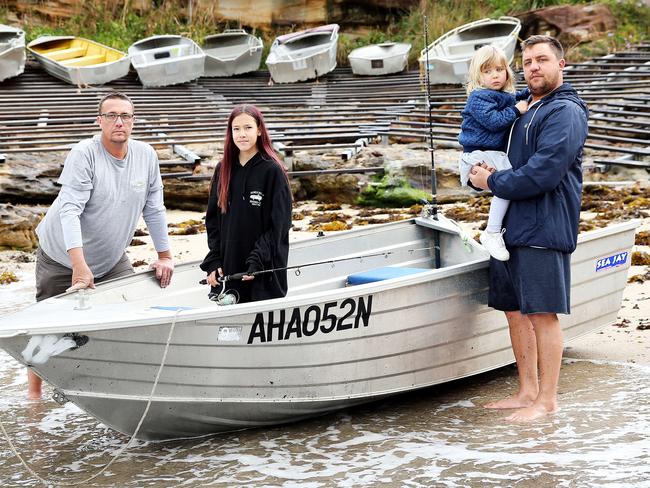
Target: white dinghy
x,y
303,55
167,60
373,318
232,52
12,52
79,61
449,55
379,59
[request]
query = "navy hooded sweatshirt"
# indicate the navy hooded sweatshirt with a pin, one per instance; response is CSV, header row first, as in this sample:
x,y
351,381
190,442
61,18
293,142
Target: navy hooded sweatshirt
x,y
253,235
544,185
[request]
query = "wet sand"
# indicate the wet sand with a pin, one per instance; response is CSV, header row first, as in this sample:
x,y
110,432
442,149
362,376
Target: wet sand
x,y
435,437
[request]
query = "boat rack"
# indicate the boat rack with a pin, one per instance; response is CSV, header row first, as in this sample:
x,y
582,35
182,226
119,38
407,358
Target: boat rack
x,y
338,114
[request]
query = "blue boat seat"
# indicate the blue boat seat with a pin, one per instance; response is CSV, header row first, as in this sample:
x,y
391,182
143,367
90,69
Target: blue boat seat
x,y
380,274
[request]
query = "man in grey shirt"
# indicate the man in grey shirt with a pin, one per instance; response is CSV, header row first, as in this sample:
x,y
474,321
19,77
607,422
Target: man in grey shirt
x,y
107,183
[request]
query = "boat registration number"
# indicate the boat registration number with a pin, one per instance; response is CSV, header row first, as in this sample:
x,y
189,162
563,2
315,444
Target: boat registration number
x,y
324,318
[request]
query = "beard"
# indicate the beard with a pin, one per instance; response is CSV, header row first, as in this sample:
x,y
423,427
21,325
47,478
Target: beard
x,y
544,85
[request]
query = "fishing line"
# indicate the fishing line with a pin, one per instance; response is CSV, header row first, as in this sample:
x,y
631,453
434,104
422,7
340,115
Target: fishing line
x,y
124,447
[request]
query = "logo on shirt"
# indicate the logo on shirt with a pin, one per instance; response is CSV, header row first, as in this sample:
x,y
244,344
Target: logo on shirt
x,y
138,185
612,261
255,198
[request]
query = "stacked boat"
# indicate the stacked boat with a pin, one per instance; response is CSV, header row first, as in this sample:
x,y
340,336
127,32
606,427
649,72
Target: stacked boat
x,y
303,55
232,52
79,61
447,58
167,60
12,52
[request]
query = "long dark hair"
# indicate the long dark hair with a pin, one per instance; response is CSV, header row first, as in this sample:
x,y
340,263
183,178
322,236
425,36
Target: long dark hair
x,y
231,152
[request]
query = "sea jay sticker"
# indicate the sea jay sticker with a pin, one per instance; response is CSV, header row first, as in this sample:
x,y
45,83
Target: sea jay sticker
x,y
612,261
326,318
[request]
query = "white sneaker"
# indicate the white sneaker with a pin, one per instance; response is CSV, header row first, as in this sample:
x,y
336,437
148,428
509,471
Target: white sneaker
x,y
493,243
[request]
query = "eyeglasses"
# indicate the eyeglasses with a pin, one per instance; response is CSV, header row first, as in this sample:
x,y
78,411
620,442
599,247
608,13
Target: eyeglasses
x,y
112,117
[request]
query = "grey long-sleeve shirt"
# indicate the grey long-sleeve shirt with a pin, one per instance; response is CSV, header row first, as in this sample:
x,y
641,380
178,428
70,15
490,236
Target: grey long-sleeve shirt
x,y
100,202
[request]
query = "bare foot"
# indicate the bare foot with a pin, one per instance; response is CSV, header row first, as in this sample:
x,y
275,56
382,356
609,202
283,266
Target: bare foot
x,y
515,401
533,412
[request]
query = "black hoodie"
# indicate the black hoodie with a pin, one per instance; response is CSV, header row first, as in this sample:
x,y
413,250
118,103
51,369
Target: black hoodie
x,y
253,235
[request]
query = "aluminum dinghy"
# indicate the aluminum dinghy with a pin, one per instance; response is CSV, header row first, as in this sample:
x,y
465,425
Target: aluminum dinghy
x,y
167,60
449,55
79,61
232,52
12,52
379,59
303,55
374,318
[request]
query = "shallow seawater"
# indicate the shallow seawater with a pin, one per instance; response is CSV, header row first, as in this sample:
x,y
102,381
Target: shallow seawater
x,y
436,437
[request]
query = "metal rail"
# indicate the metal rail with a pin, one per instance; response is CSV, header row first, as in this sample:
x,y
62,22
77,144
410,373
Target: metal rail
x,y
39,113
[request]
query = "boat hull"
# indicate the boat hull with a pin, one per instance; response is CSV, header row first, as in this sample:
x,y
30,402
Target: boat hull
x,y
378,59
215,67
12,52
317,350
231,54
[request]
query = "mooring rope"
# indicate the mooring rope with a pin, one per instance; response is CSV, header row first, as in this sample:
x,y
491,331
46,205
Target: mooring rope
x,y
123,448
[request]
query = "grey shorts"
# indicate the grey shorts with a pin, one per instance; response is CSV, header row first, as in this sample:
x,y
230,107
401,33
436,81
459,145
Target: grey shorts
x,y
532,281
53,278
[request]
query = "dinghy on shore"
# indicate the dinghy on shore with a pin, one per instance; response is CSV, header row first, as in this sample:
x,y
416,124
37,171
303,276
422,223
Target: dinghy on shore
x,y
303,55
232,52
167,60
378,315
79,61
449,55
379,59
12,52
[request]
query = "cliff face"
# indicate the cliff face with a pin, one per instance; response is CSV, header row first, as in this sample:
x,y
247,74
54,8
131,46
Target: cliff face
x,y
257,13
287,12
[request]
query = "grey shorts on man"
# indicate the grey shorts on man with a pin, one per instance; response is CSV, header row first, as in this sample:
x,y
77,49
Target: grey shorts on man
x,y
53,278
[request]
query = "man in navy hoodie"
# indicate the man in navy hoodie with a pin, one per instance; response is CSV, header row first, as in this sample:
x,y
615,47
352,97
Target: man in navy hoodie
x,y
544,187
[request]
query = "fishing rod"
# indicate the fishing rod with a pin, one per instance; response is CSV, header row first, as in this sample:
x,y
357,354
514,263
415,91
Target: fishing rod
x,y
434,185
433,206
297,267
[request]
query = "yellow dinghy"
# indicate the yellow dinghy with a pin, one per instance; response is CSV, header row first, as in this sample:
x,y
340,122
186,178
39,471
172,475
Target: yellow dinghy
x,y
79,61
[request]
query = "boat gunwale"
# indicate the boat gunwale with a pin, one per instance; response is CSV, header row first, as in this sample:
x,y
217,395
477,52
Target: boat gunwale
x,y
209,312
44,39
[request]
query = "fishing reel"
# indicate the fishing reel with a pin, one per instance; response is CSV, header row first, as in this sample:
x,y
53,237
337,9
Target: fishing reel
x,y
428,209
224,297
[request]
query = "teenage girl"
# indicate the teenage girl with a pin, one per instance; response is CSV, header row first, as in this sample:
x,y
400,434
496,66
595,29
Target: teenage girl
x,y
249,211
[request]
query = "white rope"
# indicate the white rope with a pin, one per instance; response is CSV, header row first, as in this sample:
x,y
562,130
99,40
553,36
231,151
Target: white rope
x,y
123,448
